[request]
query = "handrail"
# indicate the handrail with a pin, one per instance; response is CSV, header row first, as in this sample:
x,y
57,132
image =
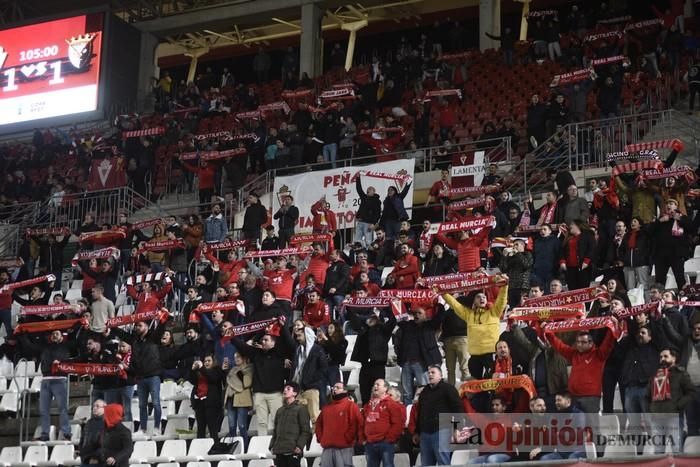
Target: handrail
x,y
586,144
429,160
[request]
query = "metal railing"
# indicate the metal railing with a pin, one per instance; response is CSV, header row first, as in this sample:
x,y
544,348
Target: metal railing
x,y
427,159
585,145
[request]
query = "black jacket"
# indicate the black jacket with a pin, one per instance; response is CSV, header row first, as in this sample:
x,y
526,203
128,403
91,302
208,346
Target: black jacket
x,y
439,266
372,344
288,218
103,382
90,439
145,354
640,254
255,216
585,248
337,277
268,366
314,369
421,337
370,209
215,378
640,365
442,398
51,255
116,442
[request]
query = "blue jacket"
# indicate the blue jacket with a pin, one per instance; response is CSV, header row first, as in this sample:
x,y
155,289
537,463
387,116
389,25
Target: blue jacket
x,y
546,255
223,348
215,229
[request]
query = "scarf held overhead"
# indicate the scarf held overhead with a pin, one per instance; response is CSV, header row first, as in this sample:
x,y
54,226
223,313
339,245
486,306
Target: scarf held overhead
x,y
466,224
46,326
93,369
499,384
564,298
28,282
46,310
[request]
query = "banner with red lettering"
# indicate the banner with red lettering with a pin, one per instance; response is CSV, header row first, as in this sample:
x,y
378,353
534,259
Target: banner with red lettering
x,y
161,315
367,302
46,310
48,231
585,324
474,190
217,155
103,253
401,177
310,238
250,328
648,308
444,92
28,282
92,369
275,253
148,223
274,106
159,130
46,326
223,246
602,35
297,94
471,223
644,24
564,298
343,93
455,56
609,60
107,173
250,115
462,281
220,306
467,203
409,295
162,245
571,77
545,314
102,237
498,385
340,191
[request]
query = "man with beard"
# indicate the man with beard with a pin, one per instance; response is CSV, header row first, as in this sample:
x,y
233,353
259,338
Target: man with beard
x,y
692,410
670,391
406,269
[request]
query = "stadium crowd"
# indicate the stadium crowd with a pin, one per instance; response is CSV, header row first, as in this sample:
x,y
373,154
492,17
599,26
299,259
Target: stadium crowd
x,y
570,294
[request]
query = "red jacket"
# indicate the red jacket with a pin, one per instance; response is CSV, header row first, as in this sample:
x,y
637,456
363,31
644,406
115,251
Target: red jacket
x,y
318,264
149,301
382,420
319,212
371,288
586,378
468,251
338,425
6,300
406,272
317,314
281,283
206,175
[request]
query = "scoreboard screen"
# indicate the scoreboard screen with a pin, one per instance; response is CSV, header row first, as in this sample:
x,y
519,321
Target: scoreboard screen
x,y
50,69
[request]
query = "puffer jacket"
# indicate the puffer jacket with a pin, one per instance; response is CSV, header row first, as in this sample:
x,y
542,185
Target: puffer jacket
x,y
292,428
518,269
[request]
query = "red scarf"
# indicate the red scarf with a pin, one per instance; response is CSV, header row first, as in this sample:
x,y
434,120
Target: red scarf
x,y
503,366
547,214
661,387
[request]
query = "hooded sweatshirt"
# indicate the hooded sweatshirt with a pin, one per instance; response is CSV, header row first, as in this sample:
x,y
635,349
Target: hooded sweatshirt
x,y
338,425
116,441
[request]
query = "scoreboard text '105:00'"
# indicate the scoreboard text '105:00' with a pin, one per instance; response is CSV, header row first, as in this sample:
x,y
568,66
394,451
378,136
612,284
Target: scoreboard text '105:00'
x,y
77,60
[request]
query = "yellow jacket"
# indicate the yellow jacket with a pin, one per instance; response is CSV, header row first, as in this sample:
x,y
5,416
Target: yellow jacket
x,y
483,324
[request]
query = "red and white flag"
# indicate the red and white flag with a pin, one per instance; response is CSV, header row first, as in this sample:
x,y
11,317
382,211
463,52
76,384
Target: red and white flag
x,y
159,130
107,173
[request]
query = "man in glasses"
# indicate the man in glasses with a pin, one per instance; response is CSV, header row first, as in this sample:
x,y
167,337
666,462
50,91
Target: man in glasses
x,y
587,364
91,434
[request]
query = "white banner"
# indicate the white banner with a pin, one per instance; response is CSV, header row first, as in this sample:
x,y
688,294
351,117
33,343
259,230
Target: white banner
x,y
338,186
